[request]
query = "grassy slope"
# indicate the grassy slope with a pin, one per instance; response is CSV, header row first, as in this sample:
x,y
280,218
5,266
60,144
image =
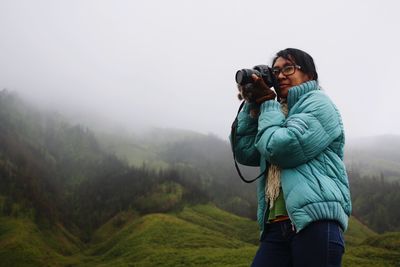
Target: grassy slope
x,y
207,236
365,248
171,240
375,251
357,232
197,236
23,244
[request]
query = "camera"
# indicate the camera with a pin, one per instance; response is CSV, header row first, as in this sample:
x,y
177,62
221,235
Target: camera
x,y
243,76
248,91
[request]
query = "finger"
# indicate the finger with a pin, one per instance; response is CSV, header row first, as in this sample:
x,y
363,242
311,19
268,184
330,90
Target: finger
x,y
255,77
265,98
259,82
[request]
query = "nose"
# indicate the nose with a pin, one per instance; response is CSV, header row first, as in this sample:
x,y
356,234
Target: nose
x,y
281,76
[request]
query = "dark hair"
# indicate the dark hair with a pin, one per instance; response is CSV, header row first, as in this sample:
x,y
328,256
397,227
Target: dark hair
x,y
301,58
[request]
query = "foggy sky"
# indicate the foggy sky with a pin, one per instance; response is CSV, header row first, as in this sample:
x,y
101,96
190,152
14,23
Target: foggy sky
x,y
172,63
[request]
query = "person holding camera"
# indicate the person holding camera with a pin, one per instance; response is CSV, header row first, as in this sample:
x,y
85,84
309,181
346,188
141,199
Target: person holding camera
x,y
296,136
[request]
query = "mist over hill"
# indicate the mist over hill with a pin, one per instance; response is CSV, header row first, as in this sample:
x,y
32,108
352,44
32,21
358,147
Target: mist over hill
x,y
372,156
375,156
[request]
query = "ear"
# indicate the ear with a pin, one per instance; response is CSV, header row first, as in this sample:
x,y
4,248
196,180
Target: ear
x,y
310,77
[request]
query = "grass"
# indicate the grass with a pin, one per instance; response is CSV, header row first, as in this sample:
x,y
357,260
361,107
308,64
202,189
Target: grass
x,y
200,235
171,241
221,221
357,232
22,244
364,255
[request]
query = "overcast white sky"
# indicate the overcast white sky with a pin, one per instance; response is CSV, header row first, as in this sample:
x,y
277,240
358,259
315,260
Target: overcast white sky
x,y
171,63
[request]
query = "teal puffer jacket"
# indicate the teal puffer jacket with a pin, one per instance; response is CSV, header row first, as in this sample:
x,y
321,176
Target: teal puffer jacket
x,y
308,146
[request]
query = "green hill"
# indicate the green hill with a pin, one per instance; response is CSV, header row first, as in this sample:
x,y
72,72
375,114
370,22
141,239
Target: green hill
x,y
205,160
361,251
357,232
200,235
171,240
376,251
23,243
130,240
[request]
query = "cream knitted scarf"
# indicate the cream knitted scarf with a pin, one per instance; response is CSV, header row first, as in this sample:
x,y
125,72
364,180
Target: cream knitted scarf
x,y
274,174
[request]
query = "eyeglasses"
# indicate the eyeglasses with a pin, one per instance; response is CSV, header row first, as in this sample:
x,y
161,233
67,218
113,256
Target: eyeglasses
x,y
287,70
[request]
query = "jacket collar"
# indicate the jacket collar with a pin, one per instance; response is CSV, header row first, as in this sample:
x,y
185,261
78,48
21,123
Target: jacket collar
x,y
298,91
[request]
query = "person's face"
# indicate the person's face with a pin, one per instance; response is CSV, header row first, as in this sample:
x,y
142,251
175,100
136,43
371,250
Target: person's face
x,y
289,80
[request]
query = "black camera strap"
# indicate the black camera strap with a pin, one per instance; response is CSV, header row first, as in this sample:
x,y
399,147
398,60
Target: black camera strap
x,y
233,142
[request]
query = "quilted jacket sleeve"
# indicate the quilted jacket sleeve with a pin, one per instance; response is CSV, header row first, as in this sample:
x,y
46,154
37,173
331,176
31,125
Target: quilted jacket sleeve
x,y
306,132
243,141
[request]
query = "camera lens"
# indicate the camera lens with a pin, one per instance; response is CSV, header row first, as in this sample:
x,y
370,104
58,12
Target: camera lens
x,y
240,74
243,76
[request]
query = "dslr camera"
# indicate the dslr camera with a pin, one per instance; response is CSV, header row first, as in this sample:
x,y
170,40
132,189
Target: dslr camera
x,y
245,82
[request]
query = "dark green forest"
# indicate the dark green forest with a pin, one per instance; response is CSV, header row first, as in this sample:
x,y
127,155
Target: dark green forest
x,y
55,173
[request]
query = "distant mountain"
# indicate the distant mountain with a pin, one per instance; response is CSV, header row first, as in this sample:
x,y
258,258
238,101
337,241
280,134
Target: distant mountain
x,y
371,177
371,156
375,156
206,158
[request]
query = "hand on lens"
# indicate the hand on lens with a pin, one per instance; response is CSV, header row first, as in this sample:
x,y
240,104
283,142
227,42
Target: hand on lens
x,y
264,92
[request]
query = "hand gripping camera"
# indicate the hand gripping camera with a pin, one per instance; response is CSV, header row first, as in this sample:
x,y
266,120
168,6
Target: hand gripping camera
x,y
245,81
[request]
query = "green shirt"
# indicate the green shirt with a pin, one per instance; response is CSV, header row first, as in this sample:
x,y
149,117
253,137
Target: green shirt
x,y
279,208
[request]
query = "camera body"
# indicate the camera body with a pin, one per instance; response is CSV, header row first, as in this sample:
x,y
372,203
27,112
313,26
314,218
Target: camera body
x,y
243,76
245,81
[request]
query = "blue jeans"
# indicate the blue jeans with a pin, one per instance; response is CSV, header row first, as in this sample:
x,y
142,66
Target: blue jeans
x,y
320,244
